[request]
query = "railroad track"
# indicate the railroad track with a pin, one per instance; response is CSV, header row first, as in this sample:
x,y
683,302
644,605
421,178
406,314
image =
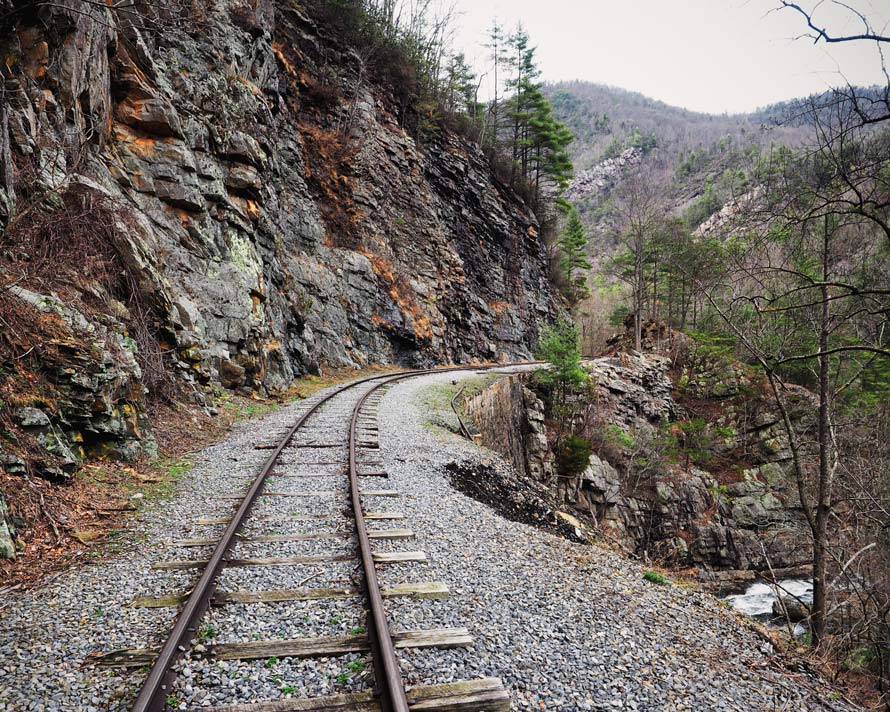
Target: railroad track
x,y
314,433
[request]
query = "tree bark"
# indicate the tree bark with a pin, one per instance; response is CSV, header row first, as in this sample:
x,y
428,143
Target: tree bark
x,y
823,495
639,292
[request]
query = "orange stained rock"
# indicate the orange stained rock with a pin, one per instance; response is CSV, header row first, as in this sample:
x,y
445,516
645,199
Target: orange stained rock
x,y
246,206
140,144
402,294
136,106
405,297
381,266
39,60
278,49
251,87
182,215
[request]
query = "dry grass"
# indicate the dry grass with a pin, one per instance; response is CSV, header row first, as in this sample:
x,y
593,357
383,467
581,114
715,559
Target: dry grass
x,y
329,156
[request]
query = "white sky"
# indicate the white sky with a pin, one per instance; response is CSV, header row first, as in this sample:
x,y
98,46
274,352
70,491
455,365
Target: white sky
x,y
707,55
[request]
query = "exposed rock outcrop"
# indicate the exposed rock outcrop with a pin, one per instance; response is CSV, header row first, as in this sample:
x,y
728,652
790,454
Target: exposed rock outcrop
x,y
641,489
603,176
7,532
510,419
632,391
273,214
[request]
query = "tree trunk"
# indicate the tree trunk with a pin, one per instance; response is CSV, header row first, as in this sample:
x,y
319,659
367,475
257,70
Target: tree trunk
x,y
639,295
823,494
7,175
654,309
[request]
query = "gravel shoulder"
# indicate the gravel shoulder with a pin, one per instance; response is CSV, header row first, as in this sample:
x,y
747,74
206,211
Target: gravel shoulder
x,y
48,635
565,626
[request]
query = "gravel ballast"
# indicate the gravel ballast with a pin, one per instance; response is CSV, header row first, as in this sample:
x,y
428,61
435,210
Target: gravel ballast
x,y
565,626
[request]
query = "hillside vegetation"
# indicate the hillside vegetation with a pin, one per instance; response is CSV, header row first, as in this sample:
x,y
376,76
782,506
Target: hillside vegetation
x,y
703,160
606,119
762,241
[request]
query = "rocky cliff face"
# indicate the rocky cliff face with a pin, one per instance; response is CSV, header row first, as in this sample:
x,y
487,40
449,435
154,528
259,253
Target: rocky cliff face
x,y
269,213
644,490
510,419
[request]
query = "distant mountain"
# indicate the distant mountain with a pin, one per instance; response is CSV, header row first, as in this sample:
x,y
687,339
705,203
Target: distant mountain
x,y
705,158
601,116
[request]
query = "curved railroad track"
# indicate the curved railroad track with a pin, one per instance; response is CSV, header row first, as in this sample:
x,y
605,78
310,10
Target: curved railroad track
x,y
389,693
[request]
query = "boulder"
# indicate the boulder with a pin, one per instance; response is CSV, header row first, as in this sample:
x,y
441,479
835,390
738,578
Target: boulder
x,y
601,482
31,418
790,608
232,375
7,532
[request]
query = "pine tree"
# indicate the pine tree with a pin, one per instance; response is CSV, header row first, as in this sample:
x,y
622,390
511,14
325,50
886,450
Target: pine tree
x,y
460,86
525,71
497,43
573,262
547,143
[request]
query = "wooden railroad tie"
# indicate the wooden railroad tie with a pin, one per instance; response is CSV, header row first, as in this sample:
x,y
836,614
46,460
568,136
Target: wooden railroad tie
x,y
432,589
392,557
327,646
273,561
270,539
270,518
486,694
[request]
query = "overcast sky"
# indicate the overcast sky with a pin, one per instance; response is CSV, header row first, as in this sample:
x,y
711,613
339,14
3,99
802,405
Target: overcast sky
x,y
707,55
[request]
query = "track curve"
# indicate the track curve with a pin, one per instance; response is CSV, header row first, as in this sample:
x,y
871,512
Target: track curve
x,y
390,688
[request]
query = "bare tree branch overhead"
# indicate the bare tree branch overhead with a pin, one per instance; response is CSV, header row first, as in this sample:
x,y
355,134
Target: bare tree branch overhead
x,y
822,33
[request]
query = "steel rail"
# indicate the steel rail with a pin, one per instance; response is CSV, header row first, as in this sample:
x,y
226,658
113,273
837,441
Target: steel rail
x,y
152,694
387,673
390,686
460,421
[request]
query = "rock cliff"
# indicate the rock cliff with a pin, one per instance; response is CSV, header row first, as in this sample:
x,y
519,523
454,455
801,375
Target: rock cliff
x,y
259,210
664,482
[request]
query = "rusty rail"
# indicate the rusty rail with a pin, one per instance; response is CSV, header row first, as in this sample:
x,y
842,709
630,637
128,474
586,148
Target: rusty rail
x,y
460,421
386,665
152,696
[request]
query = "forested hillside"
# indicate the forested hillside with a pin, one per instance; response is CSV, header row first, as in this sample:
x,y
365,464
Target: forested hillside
x,y
606,120
704,160
752,252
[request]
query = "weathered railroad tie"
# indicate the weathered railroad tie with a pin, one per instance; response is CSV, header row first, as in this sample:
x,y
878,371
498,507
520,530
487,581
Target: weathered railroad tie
x,y
390,693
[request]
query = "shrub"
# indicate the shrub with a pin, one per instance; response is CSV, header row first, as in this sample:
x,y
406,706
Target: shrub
x,y
573,456
619,315
616,436
558,344
656,578
75,244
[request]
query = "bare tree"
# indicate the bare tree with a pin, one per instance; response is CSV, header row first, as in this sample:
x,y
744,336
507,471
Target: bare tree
x,y
869,106
810,301
640,211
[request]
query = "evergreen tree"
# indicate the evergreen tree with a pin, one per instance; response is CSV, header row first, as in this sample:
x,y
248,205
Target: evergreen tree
x,y
573,262
537,141
497,45
547,142
525,71
460,86
558,345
